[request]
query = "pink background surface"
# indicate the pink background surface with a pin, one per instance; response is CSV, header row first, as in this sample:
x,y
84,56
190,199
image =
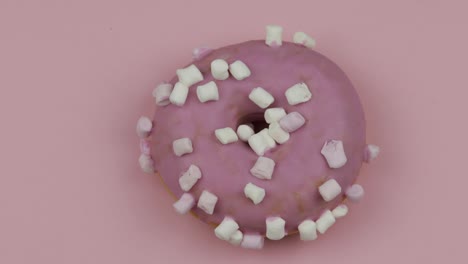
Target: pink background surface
x,y
76,75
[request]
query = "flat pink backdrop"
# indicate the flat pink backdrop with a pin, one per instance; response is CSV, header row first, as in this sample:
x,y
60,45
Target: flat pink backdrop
x,y
76,75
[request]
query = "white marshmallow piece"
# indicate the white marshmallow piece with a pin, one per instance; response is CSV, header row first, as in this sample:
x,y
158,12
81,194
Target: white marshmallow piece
x,y
333,151
219,69
239,70
253,241
244,132
201,52
355,193
329,190
275,228
298,93
340,211
325,221
182,146
277,133
274,114
254,193
146,163
292,122
207,202
258,144
184,204
263,168
144,126
208,92
274,35
308,230
179,94
236,238
189,75
261,142
226,229
261,97
372,151
190,178
161,94
226,135
270,142
304,39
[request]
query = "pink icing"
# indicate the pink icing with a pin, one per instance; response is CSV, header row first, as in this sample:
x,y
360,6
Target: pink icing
x,y
334,112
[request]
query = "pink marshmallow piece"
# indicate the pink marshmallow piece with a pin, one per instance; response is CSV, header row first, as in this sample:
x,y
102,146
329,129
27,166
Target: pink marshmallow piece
x,y
146,163
263,168
190,178
184,204
145,147
207,202
144,126
329,190
333,151
371,152
253,241
182,146
162,93
292,122
355,193
199,53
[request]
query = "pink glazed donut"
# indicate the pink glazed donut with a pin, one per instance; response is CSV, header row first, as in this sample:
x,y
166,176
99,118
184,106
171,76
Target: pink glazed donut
x,y
261,139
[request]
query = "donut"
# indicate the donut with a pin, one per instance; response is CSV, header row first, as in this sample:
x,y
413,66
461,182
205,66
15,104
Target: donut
x,y
260,139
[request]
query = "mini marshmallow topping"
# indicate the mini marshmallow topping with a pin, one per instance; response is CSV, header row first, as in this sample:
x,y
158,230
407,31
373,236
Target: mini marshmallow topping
x,y
261,142
269,141
371,152
329,190
261,97
182,146
179,94
275,228
226,135
226,229
208,92
292,122
220,69
263,168
274,114
146,163
144,126
254,193
161,94
277,133
244,132
355,193
325,221
253,241
189,75
333,151
207,202
307,230
298,93
236,238
340,211
239,70
201,52
304,39
184,204
274,36
190,178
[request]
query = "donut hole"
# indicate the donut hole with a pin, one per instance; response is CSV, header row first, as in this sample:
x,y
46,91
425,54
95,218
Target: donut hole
x,y
257,120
